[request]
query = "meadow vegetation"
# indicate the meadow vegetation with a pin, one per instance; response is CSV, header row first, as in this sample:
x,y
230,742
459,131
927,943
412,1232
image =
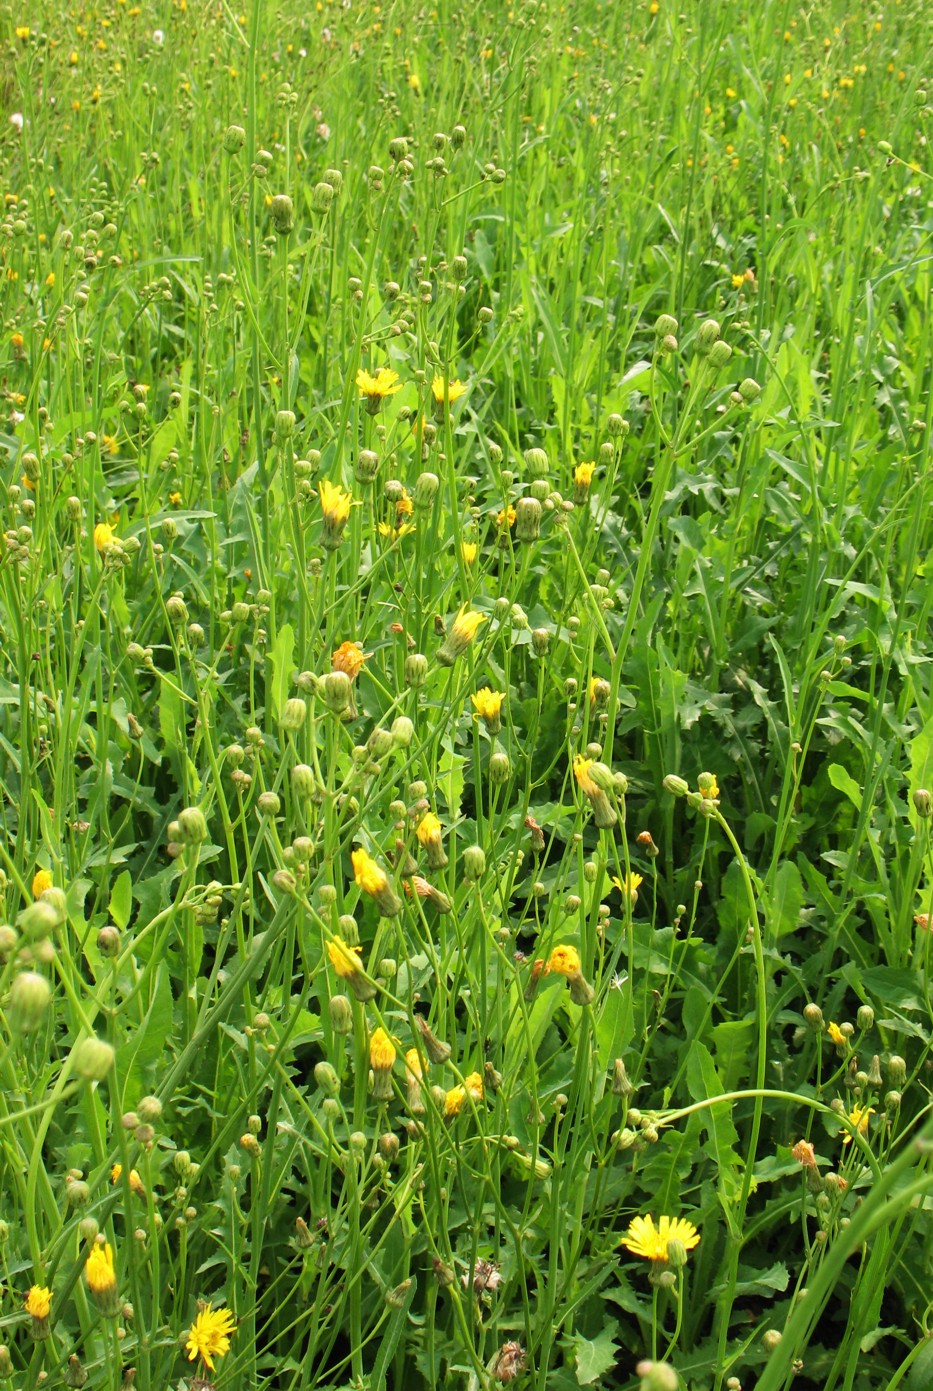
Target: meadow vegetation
x,y
466,723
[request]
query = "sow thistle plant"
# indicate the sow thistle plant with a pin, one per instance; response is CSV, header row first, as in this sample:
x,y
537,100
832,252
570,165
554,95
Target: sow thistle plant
x,y
466,867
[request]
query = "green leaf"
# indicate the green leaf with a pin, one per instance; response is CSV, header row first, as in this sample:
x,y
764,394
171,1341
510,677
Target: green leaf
x,y
843,781
171,716
786,901
703,1081
450,781
281,658
121,900
921,1373
597,1356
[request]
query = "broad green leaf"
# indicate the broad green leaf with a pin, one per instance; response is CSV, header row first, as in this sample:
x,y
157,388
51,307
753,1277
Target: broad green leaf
x,y
281,658
595,1356
121,900
786,900
843,781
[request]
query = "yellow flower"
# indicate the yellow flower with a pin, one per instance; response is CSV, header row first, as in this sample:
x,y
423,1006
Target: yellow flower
x,y
644,1239
50,280
175,499
468,550
583,474
376,388
413,1063
429,829
629,886
101,1278
335,502
349,658
708,785
462,633
738,280
16,341
42,880
342,958
103,535
564,960
488,706
472,1087
859,1117
506,518
581,771
39,1302
381,1052
374,881
454,390
136,1184
836,1035
414,82
23,32
209,1336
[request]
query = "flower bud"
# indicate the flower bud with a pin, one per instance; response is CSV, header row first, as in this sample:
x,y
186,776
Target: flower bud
x,y
677,785
536,462
403,731
923,803
865,1018
341,1014
425,490
770,1340
436,1049
457,137
474,863
540,641
367,465
294,713
92,1058
77,1193
814,1017
897,1070
665,324
749,389
234,139
621,1086
177,610
268,804
719,354
322,196
325,1076
416,670
707,334
336,691
499,767
30,995
458,268
192,826
527,519
304,783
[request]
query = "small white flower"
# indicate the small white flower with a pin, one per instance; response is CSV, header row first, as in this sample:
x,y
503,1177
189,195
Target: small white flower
x,y
158,37
16,120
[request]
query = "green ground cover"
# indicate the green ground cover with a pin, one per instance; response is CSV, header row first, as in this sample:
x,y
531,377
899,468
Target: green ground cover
x,y
465,695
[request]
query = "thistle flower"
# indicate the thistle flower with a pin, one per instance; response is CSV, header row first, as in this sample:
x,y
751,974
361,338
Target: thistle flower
x,y
350,659
488,706
335,505
209,1335
347,967
38,1306
604,814
375,389
101,1278
462,633
643,1238
430,839
382,1056
374,881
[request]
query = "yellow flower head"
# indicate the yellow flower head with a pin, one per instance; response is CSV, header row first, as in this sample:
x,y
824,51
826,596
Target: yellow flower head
x,y
344,959
467,623
22,31
42,880
836,1035
429,829
583,474
581,771
506,518
709,787
738,280
16,341
209,1335
859,1116
136,1184
565,961
39,1302
349,658
367,874
643,1238
472,1087
384,383
335,502
488,704
103,535
381,1052
629,886
468,549
413,1063
414,82
99,1268
454,390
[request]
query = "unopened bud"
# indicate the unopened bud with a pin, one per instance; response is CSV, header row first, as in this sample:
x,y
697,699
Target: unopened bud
x,y
92,1059
322,196
865,1018
923,803
707,334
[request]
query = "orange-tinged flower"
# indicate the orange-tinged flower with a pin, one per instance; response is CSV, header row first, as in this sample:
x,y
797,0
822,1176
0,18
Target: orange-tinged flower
x,y
643,1238
805,1154
506,518
209,1335
462,633
136,1184
564,960
349,658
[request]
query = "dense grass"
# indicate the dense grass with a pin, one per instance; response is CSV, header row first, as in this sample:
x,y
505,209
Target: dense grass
x,y
667,952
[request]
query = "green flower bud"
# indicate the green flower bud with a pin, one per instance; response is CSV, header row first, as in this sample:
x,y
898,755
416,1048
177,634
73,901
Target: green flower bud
x,y
322,196
720,353
326,1077
367,466
30,995
677,785
334,178
341,1014
749,389
474,862
665,324
234,139
536,462
268,804
425,490
192,826
814,1017
865,1018
527,519
707,334
284,424
540,641
499,767
337,691
896,1070
403,731
416,670
923,803
294,713
92,1058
